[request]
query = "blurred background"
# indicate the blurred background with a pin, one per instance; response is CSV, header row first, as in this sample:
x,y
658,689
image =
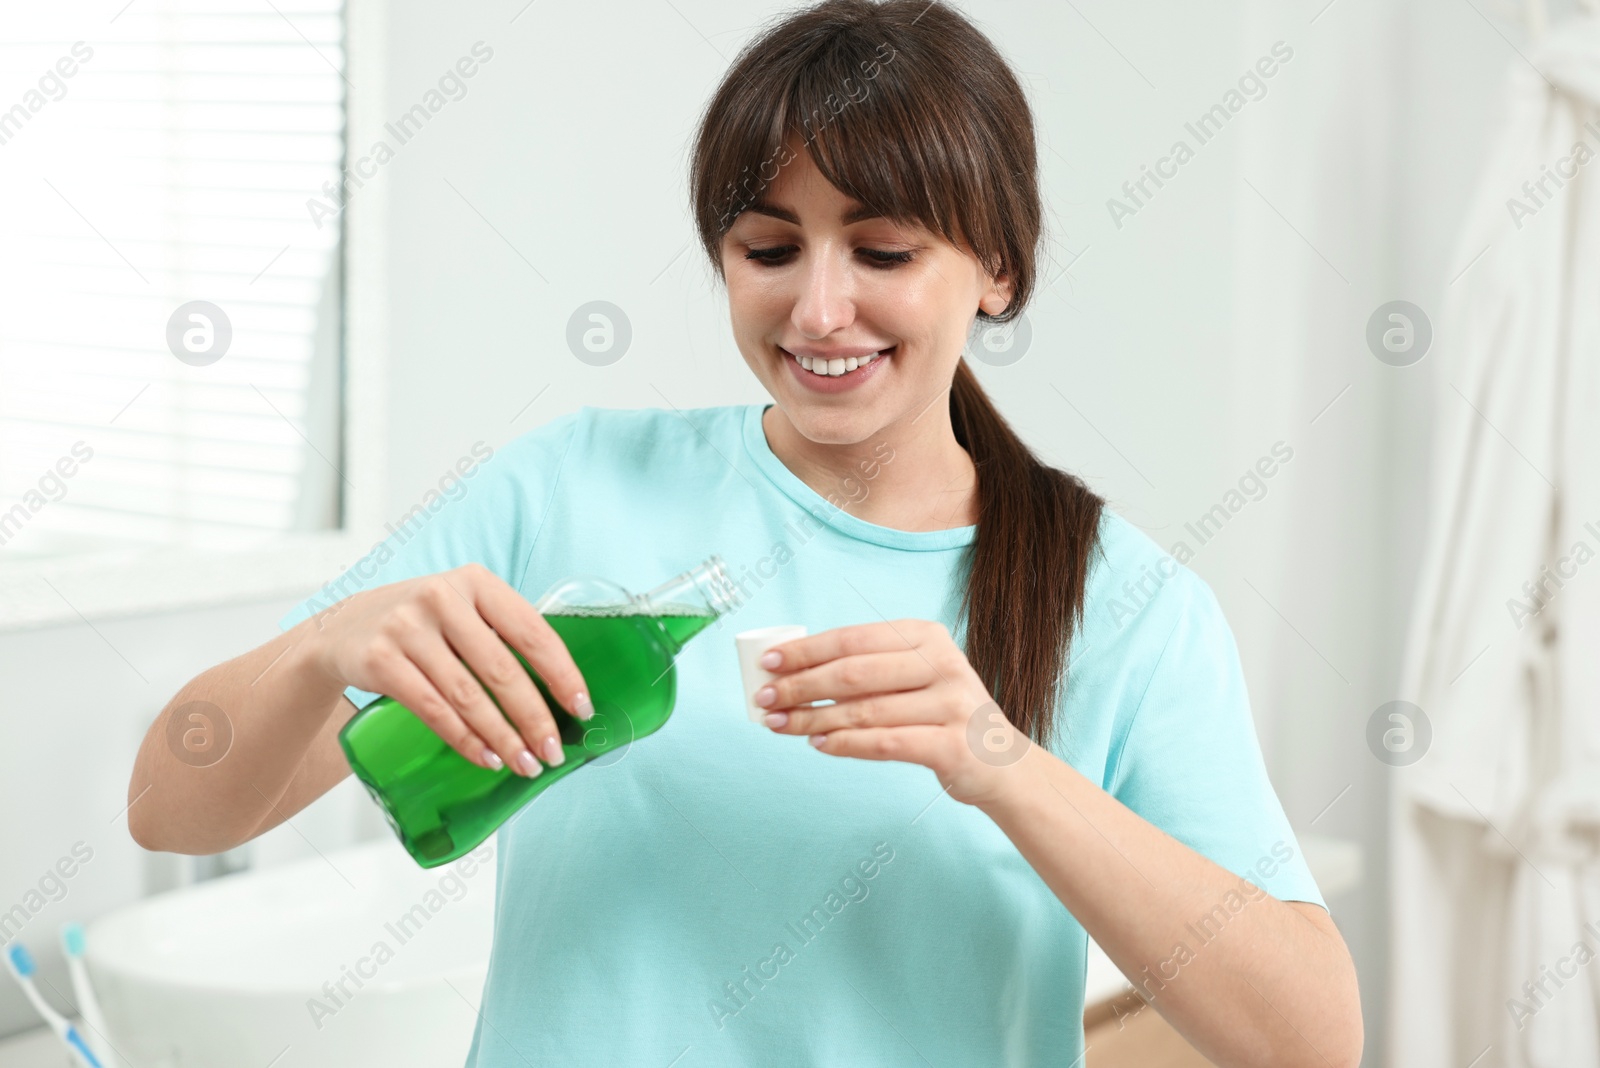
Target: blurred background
x,y
238,338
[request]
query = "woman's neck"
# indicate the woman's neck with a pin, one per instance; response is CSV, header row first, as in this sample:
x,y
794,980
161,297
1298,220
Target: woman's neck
x,y
911,475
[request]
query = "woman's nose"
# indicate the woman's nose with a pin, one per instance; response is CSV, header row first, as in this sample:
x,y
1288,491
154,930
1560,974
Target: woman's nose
x,y
825,300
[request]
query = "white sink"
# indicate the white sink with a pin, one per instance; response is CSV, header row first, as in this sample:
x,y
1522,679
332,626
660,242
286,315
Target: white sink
x,y
243,970
246,970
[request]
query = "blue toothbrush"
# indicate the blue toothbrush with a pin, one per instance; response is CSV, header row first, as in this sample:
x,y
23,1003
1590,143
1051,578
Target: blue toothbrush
x,y
20,961
74,943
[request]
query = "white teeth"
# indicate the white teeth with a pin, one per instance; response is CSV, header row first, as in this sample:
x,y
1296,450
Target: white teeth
x,y
835,367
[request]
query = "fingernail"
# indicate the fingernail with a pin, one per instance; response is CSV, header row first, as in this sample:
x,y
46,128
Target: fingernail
x,y
777,719
552,751
491,758
582,707
818,739
765,696
771,659
527,764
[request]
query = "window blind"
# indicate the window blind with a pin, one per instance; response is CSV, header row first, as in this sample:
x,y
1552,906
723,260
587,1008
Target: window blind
x,y
151,158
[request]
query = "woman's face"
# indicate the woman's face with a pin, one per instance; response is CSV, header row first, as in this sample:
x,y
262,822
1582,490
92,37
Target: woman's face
x,y
806,279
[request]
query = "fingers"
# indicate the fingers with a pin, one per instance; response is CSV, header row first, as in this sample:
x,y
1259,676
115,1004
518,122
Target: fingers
x,y
465,697
852,676
894,636
521,625
880,710
507,684
914,745
410,686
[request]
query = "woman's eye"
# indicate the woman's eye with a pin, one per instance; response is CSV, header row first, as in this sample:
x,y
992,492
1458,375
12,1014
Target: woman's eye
x,y
888,259
877,257
769,255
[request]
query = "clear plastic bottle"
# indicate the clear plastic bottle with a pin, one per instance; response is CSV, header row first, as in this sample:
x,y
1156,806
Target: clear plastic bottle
x,y
442,805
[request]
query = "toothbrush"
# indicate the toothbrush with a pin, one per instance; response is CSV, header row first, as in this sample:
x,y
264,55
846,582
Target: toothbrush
x,y
21,964
74,943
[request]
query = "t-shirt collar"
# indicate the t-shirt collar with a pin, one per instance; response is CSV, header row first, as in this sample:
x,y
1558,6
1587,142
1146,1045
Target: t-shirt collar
x,y
835,516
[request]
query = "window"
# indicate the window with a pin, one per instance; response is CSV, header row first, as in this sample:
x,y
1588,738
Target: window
x,y
171,278
166,302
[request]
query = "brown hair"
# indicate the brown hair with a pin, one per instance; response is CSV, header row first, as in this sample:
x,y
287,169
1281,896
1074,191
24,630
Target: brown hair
x,y
906,106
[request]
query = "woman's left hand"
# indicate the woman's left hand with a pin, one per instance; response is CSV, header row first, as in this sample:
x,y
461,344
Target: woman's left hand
x,y
901,691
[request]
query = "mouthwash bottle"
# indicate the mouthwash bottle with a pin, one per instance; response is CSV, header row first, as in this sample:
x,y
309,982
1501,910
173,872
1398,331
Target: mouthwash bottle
x,y
442,805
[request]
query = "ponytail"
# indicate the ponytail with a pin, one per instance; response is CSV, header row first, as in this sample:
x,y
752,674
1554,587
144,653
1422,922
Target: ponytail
x,y
1026,570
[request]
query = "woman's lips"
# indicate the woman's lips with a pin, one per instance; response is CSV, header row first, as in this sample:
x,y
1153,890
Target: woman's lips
x,y
831,383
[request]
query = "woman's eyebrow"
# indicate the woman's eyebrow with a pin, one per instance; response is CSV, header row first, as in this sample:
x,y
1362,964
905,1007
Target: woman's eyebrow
x,y
857,212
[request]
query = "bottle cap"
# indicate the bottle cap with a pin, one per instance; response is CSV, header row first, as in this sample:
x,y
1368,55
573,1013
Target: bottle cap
x,y
751,644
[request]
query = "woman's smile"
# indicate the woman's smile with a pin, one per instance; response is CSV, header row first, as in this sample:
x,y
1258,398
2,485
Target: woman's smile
x,y
827,373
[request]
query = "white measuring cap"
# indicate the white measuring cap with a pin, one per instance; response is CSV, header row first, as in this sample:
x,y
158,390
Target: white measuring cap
x,y
751,644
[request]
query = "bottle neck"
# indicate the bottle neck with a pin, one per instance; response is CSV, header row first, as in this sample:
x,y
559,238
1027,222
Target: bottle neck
x,y
692,601
705,591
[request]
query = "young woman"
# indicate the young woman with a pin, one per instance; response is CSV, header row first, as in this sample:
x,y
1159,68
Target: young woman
x,y
864,182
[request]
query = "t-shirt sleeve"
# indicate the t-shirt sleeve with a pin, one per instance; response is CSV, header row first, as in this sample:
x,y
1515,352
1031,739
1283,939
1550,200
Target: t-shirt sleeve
x,y
488,508
1190,762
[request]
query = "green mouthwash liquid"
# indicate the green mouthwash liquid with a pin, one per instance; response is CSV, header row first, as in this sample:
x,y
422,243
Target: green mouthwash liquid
x,y
442,805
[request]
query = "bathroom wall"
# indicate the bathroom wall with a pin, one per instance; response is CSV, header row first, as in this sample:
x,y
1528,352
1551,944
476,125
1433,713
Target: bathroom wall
x,y
1186,339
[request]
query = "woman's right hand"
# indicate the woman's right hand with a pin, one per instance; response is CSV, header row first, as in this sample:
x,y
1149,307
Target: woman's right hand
x,y
408,640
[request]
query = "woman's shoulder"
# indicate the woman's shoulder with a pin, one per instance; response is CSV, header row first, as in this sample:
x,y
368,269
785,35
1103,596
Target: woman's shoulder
x,y
1144,613
602,435
1137,591
625,424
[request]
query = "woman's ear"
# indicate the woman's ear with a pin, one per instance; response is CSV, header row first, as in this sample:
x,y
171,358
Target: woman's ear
x,y
997,296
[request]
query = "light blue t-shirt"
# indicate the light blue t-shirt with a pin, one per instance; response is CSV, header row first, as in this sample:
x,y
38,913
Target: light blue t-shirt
x,y
725,895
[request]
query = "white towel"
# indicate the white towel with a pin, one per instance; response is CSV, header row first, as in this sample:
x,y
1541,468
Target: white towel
x,y
1496,830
